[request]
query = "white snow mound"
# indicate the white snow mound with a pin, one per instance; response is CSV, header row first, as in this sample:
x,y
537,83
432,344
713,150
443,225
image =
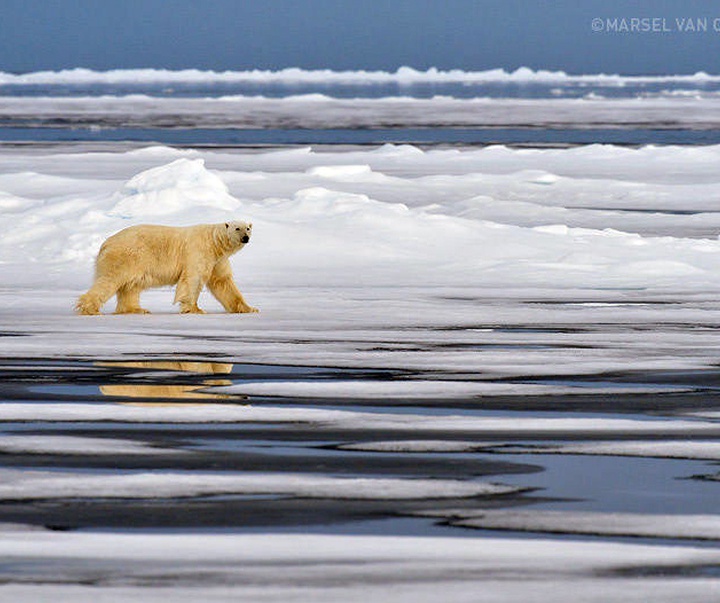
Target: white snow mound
x,y
183,184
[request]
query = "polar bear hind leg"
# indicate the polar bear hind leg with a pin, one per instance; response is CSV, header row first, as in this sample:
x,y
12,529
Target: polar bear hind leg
x,y
102,290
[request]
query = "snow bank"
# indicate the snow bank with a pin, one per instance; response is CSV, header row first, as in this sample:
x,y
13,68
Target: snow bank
x,y
388,216
183,185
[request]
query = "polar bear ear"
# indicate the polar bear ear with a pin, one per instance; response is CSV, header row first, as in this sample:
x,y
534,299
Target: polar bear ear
x,y
250,225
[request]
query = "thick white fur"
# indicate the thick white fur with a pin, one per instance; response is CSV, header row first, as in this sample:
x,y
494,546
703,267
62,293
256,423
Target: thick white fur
x,y
145,256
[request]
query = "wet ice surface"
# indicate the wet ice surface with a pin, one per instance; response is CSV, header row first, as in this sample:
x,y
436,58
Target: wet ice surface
x,y
625,441
367,432
373,485
313,499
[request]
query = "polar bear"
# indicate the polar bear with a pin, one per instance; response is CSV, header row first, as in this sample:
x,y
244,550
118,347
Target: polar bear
x,y
148,255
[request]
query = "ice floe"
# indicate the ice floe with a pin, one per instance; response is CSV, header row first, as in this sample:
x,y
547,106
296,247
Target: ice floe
x,y
74,445
419,389
418,446
676,449
321,418
697,527
403,74
41,485
327,568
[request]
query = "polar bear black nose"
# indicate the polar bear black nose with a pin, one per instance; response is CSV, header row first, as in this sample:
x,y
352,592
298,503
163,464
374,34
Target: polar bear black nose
x,y
245,239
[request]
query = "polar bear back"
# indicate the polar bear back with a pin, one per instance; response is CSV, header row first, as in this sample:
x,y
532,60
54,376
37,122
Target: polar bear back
x,y
150,255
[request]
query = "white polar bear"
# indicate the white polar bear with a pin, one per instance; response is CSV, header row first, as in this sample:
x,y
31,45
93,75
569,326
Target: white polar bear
x,y
144,256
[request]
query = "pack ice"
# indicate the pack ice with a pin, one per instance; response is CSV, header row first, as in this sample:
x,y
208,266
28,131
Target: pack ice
x,y
588,217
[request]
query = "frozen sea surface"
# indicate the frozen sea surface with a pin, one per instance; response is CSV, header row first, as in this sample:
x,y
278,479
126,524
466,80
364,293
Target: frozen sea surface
x,y
474,370
297,106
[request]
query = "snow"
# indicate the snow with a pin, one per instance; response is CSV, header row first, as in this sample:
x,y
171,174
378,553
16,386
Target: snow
x,y
461,224
467,274
49,444
310,567
675,449
607,524
466,333
695,449
691,590
181,185
340,388
340,267
454,278
424,420
33,485
706,414
418,446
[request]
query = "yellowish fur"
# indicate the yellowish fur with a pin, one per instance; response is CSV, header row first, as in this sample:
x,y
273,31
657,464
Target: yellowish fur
x,y
147,255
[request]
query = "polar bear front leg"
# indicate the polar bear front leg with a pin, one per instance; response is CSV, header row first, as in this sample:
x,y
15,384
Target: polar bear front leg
x,y
187,292
223,287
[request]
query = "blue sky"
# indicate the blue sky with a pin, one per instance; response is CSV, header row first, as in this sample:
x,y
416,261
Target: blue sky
x,y
354,34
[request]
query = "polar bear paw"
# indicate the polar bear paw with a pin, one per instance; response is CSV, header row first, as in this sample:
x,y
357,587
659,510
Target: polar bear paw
x,y
192,310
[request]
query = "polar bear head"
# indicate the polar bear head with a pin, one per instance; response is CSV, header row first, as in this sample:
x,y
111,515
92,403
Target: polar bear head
x,y
238,233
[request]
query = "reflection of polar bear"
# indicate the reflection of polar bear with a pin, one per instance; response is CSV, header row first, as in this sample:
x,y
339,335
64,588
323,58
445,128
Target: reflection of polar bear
x,y
194,389
146,256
